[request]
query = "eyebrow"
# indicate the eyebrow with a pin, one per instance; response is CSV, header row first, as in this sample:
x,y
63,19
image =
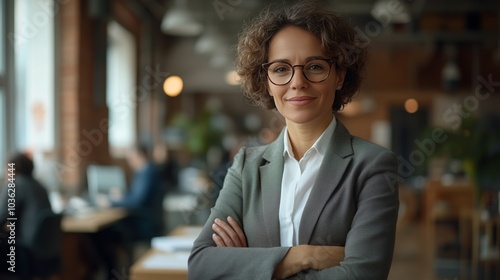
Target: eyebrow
x,y
307,59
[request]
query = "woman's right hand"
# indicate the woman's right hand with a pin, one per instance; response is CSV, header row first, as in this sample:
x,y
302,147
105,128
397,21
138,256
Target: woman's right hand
x,y
297,259
321,257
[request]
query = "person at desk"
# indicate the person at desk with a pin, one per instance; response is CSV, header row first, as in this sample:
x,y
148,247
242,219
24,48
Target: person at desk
x,y
167,166
144,204
144,200
31,198
317,203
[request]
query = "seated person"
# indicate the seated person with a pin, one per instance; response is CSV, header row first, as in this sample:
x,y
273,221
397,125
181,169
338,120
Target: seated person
x,y
144,203
31,198
168,168
144,199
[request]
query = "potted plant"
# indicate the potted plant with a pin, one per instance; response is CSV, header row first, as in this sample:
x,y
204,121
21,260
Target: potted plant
x,y
476,145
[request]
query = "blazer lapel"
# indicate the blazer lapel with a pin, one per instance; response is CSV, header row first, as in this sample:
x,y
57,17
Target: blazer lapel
x,y
334,165
270,181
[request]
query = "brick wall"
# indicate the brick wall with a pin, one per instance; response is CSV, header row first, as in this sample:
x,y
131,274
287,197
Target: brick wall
x,y
82,114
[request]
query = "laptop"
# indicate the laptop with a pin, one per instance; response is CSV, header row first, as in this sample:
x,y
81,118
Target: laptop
x,y
105,180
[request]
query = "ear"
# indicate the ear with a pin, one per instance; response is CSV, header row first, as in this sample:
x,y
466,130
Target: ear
x,y
341,75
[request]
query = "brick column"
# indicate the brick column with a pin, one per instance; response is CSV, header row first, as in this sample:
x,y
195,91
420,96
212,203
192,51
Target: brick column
x,y
82,113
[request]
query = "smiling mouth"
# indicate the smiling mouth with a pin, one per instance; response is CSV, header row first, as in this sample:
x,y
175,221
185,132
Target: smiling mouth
x,y
300,100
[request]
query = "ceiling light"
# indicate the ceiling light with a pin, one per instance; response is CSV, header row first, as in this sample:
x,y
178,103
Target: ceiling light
x,y
411,105
209,42
179,21
172,86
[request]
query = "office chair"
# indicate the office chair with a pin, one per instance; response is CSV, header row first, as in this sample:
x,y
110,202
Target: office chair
x,y
44,247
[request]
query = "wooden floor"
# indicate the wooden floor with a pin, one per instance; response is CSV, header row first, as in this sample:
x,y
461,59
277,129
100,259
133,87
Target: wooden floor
x,y
413,254
416,254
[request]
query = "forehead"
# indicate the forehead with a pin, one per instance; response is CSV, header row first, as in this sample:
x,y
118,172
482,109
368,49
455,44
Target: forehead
x,y
292,43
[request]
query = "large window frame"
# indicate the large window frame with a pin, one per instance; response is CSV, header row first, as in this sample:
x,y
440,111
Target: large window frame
x,y
16,111
3,113
3,36
121,89
7,124
34,69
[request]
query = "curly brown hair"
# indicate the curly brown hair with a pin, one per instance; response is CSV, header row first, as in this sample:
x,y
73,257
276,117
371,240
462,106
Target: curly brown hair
x,y
339,40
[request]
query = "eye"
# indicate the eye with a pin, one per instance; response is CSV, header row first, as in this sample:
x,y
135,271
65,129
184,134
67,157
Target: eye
x,y
315,67
279,68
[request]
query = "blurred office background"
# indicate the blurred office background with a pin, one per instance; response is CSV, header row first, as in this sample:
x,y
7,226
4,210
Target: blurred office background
x,y
82,81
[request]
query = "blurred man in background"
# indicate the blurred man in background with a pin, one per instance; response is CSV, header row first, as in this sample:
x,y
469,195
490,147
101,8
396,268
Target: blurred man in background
x,y
144,200
30,199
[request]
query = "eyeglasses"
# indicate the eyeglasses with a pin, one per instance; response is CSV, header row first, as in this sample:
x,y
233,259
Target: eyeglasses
x,y
315,70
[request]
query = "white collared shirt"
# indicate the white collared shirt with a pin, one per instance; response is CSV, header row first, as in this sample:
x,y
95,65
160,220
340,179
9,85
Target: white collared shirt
x,y
297,182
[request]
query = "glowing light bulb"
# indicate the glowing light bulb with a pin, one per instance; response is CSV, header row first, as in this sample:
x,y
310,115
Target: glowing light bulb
x,y
172,86
411,105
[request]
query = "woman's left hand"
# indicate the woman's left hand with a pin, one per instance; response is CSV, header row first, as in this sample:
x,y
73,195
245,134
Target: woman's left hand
x,y
228,234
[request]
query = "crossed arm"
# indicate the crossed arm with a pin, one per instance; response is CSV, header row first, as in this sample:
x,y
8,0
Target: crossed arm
x,y
368,248
297,259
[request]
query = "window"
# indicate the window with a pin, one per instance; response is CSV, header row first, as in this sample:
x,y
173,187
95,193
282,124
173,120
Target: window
x,y
3,112
121,89
2,35
3,128
33,40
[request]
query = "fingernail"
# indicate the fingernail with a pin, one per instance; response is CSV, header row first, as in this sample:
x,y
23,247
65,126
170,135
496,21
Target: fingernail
x,y
217,220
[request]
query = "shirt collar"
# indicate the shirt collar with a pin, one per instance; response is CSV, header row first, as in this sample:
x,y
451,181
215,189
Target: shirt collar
x,y
321,143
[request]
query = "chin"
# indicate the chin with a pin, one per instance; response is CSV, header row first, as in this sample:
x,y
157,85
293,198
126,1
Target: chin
x,y
299,119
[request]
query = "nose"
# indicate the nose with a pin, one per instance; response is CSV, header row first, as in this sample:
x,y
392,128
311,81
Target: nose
x,y
298,80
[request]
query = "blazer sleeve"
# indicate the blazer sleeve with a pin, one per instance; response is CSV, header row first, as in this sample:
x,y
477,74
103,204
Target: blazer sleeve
x,y
207,261
370,242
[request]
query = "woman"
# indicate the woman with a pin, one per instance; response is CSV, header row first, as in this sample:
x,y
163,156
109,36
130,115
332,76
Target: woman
x,y
317,203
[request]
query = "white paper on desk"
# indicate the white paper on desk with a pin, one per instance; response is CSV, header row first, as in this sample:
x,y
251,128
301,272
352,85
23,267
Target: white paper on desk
x,y
173,243
178,260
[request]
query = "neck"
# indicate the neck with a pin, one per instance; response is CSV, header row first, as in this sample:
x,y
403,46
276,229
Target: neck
x,y
303,136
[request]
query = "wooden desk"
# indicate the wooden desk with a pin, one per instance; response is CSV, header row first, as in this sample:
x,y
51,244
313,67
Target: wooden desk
x,y
92,222
139,272
443,202
76,244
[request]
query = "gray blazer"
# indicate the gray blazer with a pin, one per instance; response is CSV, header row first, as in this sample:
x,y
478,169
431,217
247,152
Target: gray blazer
x,y
353,203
